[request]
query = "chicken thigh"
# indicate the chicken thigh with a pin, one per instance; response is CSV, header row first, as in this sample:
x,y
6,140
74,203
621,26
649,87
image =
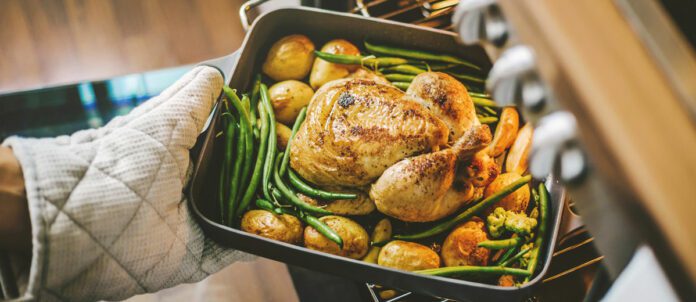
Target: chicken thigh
x,y
420,188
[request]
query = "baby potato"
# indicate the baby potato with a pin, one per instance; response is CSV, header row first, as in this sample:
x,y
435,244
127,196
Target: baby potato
x,y
284,133
516,201
323,71
286,228
288,98
461,246
408,256
290,58
362,205
355,238
505,132
382,232
517,156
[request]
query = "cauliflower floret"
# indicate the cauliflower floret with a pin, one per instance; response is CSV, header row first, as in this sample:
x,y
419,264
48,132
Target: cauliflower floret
x,y
501,220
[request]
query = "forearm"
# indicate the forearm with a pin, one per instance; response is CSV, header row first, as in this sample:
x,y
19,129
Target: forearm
x,y
15,229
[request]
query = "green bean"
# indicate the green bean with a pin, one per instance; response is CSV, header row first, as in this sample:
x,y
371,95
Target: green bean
x,y
245,152
236,178
474,271
253,104
258,164
488,120
481,101
507,255
479,95
401,85
500,244
403,68
290,195
398,77
468,213
490,111
417,54
225,169
517,256
306,189
322,228
359,60
467,78
272,141
541,232
286,158
265,205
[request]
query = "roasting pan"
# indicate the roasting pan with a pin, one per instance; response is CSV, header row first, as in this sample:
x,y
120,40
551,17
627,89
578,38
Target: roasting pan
x,y
320,26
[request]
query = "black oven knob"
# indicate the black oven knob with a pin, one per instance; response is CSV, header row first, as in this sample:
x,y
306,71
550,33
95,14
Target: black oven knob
x,y
479,21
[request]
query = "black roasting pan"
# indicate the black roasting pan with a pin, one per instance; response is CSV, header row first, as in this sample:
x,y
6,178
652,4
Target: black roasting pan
x,y
321,26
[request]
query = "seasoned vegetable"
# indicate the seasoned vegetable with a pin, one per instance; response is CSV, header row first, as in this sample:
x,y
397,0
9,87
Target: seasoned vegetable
x,y
288,98
290,58
500,244
359,60
283,133
271,150
505,132
308,190
516,201
324,71
517,156
289,195
229,125
286,228
259,163
408,256
501,220
417,54
382,232
473,271
461,246
355,238
541,233
404,69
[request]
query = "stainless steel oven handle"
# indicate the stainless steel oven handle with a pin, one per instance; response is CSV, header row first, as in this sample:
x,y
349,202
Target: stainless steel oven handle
x,y
244,10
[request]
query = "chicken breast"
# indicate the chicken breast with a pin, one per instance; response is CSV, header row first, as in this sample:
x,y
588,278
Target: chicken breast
x,y
419,189
356,128
447,98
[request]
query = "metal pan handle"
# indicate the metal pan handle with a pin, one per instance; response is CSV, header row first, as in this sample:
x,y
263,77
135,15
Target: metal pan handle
x,y
224,64
244,10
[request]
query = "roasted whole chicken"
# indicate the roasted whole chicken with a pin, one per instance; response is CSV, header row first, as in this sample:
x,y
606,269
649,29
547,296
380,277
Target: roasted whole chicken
x,y
403,148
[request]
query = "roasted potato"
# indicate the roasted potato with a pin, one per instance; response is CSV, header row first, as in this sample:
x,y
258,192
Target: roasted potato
x,y
288,98
516,201
517,156
323,71
290,58
284,227
355,238
382,232
408,256
461,246
362,205
284,133
505,132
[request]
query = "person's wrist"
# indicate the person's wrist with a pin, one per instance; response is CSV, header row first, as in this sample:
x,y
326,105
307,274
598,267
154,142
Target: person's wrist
x,y
15,229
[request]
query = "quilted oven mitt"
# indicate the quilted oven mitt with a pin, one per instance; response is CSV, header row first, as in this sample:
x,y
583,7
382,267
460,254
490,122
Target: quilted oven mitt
x,y
108,215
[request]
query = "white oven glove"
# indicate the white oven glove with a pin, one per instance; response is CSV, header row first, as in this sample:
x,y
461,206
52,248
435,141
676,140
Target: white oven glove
x,y
108,216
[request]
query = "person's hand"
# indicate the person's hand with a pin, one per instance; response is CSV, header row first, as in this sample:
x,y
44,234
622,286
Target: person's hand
x,y
107,211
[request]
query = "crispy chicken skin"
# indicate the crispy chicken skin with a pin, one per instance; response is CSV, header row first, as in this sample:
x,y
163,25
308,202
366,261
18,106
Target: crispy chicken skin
x,y
447,98
419,188
355,129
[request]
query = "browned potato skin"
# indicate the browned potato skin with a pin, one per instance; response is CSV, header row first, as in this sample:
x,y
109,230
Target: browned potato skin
x,y
290,58
408,256
517,156
284,133
288,98
284,228
505,132
355,238
516,201
461,246
324,72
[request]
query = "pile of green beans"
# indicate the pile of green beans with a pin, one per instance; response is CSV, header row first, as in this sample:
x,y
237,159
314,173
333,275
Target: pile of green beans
x,y
468,213
417,54
359,60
